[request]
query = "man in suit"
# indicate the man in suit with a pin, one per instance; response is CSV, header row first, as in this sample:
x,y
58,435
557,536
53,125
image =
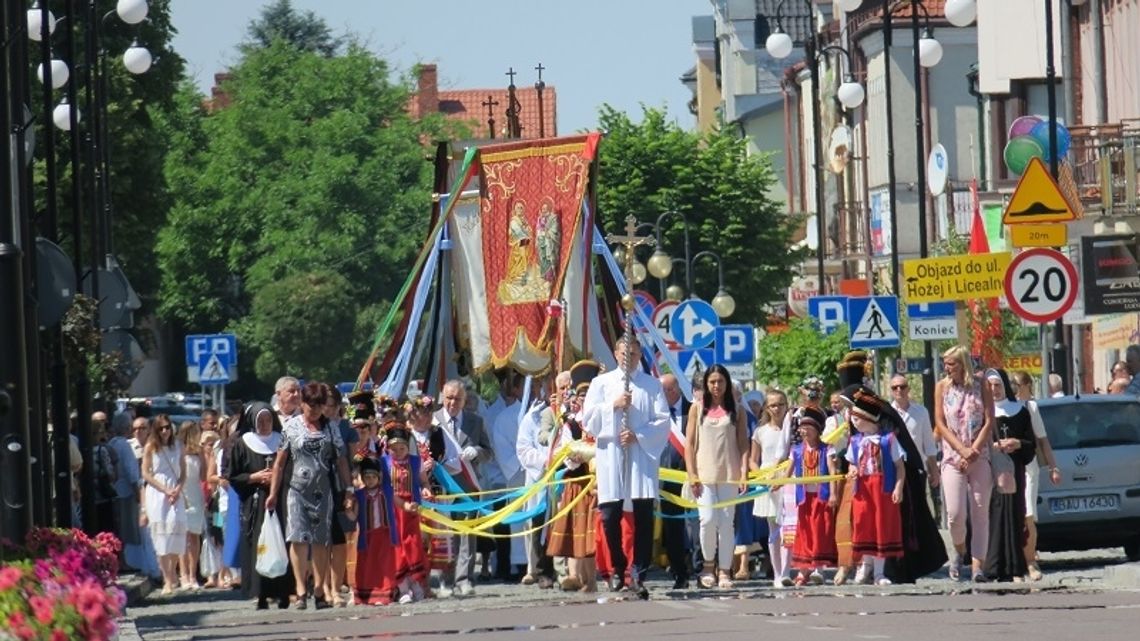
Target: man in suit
x,y
673,531
471,447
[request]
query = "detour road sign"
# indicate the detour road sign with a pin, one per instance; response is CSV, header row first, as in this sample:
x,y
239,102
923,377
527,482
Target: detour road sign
x,y
949,278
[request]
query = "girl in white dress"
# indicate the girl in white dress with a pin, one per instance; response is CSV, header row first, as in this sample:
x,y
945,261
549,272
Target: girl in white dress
x,y
189,438
770,446
164,471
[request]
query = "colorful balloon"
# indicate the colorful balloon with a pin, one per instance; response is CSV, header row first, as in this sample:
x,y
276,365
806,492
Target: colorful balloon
x,y
1023,126
1019,151
1040,133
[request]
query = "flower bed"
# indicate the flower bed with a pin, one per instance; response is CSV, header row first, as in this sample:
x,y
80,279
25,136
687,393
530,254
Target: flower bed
x,y
60,585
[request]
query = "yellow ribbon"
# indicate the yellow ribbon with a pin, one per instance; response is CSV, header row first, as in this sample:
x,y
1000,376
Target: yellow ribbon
x,y
463,528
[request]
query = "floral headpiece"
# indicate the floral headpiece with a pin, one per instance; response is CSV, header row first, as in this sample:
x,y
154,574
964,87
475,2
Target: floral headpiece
x,y
422,402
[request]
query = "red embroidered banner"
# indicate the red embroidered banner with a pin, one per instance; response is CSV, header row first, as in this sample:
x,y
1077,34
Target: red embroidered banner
x,y
531,203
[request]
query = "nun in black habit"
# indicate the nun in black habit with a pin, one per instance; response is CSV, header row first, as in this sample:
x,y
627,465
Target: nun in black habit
x,y
924,551
250,468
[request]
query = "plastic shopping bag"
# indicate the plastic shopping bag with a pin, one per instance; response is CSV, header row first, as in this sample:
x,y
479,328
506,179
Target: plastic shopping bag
x,y
272,559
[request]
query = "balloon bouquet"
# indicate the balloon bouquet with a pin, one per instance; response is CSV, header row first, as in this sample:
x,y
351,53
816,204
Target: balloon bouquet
x,y
1029,139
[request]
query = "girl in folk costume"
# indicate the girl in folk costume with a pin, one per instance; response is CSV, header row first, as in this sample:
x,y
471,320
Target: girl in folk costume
x,y
363,415
852,372
376,546
811,398
814,547
405,480
573,536
878,472
432,449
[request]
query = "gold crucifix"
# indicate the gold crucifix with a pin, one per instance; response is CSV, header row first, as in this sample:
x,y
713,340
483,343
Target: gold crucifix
x,y
629,241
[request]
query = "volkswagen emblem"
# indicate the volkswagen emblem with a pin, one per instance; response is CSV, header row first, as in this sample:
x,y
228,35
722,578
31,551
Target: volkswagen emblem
x,y
1081,460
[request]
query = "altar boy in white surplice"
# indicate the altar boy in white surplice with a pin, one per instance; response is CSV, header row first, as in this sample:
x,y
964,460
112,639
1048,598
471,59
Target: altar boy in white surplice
x,y
634,482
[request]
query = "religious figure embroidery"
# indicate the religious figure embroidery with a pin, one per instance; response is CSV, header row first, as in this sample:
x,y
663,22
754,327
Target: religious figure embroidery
x,y
548,237
523,282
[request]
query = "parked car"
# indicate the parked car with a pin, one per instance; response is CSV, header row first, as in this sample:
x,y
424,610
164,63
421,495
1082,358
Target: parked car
x,y
151,406
1096,439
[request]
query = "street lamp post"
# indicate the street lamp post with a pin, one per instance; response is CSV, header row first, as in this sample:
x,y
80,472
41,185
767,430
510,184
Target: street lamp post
x,y
723,303
660,264
850,94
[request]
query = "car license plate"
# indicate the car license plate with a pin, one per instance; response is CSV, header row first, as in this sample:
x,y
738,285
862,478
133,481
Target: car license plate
x,y
1094,503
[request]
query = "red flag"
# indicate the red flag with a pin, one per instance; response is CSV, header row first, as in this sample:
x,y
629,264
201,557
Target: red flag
x,y
984,333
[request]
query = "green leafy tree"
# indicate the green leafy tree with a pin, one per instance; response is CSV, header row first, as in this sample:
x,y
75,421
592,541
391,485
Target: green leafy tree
x,y
313,168
787,358
654,166
280,21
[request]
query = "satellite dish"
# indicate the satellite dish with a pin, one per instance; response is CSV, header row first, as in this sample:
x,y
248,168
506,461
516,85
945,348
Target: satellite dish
x,y
55,282
121,341
114,312
937,170
839,149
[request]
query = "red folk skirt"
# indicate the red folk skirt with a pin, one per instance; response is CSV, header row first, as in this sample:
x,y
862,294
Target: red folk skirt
x,y
411,561
602,552
814,546
573,535
375,569
876,523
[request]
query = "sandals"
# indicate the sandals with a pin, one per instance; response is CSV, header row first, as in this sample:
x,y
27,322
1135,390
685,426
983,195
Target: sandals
x,y
724,582
707,581
840,576
1035,573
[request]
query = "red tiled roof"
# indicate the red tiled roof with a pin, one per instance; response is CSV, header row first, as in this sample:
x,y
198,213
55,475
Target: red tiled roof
x,y
467,105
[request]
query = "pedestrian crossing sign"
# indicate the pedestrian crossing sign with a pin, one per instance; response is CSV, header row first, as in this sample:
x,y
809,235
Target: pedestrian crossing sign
x,y
213,372
874,321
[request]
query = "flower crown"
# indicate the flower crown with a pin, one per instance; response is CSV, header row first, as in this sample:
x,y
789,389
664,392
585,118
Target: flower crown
x,y
420,402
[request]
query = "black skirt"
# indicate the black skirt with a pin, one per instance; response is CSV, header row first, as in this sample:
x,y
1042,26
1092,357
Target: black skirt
x,y
1005,558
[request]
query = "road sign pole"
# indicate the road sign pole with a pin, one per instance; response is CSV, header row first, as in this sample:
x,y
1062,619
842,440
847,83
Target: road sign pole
x,y
222,404
1060,361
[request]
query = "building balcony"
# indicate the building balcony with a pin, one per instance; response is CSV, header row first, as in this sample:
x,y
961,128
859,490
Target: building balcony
x,y
1105,163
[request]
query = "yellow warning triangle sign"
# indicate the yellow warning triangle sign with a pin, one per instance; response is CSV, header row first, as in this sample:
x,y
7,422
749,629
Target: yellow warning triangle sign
x,y
1037,199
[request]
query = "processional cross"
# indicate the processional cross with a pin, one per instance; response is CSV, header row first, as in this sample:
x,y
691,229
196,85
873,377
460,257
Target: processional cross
x,y
630,241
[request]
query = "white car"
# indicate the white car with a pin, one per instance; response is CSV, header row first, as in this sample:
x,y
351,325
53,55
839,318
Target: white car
x,y
1096,440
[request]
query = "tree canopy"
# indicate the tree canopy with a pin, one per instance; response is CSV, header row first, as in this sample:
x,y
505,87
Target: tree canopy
x,y
297,207
280,21
787,358
654,166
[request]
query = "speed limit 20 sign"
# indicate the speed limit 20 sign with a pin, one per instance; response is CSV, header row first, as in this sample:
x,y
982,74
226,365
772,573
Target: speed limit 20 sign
x,y
1040,285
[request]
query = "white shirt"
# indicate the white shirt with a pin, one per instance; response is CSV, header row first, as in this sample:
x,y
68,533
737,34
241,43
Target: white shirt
x,y
530,454
505,468
917,421
648,420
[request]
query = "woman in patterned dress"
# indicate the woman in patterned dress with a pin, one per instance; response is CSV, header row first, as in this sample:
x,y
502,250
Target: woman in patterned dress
x,y
315,449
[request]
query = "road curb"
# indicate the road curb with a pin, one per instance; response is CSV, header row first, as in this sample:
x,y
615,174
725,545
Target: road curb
x,y
1125,575
136,587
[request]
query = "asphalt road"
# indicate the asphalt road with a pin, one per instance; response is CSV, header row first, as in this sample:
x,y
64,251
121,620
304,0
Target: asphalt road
x,y
1072,603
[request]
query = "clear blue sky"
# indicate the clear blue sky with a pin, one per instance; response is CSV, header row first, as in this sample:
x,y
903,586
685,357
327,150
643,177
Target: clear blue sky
x,y
621,52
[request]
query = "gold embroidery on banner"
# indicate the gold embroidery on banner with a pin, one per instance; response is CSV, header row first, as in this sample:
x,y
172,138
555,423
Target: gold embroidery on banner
x,y
532,152
570,171
501,175
523,282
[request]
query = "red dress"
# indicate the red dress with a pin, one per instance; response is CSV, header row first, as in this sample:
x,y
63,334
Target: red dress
x,y
602,553
876,527
375,555
410,557
814,545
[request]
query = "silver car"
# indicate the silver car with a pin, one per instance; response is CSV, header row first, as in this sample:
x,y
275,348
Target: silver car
x,y
1096,440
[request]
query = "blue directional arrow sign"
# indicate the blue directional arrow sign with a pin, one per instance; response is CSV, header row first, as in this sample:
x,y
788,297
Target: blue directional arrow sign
x,y
828,311
694,324
874,321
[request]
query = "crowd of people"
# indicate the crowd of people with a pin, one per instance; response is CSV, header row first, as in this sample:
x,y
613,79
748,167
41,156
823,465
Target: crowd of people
x,y
795,495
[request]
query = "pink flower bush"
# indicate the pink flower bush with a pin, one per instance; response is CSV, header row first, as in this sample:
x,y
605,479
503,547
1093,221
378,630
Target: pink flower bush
x,y
59,586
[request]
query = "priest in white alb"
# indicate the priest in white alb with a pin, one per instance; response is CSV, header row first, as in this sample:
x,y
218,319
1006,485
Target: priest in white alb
x,y
627,460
